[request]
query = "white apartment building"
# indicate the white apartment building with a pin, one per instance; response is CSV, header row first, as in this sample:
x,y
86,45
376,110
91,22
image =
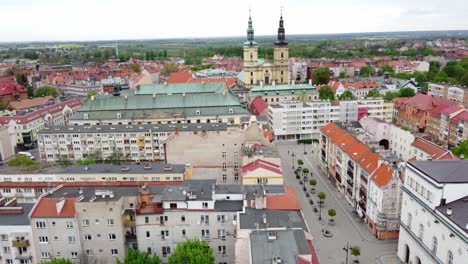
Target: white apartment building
x,y
297,120
434,222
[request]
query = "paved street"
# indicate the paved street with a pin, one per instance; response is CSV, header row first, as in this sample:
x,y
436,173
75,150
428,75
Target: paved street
x,y
348,228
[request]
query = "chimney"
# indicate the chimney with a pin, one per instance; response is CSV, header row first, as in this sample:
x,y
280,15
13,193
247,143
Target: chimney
x,y
466,227
310,81
264,218
449,211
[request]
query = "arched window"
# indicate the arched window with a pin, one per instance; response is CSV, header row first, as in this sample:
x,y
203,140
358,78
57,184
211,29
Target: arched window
x,y
450,257
410,218
251,56
421,231
434,245
281,54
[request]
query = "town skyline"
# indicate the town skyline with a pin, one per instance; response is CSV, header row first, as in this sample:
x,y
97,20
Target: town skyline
x,y
85,24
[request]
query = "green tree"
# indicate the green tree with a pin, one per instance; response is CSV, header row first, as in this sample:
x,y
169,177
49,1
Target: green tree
x,y
300,162
21,160
367,71
313,182
192,252
406,92
373,93
390,95
342,75
169,67
57,261
331,213
387,68
326,93
138,257
136,67
3,106
46,90
356,251
441,76
464,79
321,75
91,94
462,149
30,91
305,171
346,95
321,196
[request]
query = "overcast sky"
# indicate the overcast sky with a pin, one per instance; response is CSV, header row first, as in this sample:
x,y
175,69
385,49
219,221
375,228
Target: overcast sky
x,y
30,20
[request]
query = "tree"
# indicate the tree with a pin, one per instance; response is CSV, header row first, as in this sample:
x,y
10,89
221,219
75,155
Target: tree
x,y
46,90
342,75
313,182
331,213
373,93
390,95
21,160
321,75
57,261
91,94
22,79
326,93
138,257
305,171
136,67
321,196
169,67
387,68
346,95
3,106
441,77
115,157
406,92
300,162
464,79
462,149
192,252
356,251
367,71
30,91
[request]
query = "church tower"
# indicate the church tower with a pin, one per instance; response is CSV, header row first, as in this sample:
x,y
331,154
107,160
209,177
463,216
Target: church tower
x,y
281,54
250,56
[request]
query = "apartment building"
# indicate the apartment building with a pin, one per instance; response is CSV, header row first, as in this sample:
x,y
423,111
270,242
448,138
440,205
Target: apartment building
x,y
377,108
130,142
434,212
277,94
16,245
297,120
458,94
7,143
28,122
458,129
163,104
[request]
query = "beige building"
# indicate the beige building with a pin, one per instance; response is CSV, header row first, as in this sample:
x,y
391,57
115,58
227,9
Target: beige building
x,y
451,92
7,143
378,108
259,71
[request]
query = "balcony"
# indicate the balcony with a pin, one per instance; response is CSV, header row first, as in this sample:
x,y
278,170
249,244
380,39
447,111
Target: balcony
x,y
130,237
362,205
350,173
350,182
349,191
363,179
381,216
23,256
20,243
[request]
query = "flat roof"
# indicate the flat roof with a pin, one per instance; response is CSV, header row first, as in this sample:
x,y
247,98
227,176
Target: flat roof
x,y
443,171
274,218
133,128
17,219
287,245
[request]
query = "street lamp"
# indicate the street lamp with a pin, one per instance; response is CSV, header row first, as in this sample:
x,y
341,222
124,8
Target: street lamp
x,y
293,155
346,249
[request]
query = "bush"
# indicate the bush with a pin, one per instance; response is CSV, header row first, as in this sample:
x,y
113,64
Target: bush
x,y
21,160
300,162
313,182
305,170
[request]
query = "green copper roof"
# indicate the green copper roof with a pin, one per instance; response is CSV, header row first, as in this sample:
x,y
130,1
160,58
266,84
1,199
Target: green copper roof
x,y
180,88
282,89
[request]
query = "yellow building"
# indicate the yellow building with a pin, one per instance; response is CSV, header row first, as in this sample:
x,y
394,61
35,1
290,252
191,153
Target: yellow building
x,y
262,172
259,71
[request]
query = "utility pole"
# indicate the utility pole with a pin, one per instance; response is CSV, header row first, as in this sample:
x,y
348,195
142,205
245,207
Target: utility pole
x,y
346,249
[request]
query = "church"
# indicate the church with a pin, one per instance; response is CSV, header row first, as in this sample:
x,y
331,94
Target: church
x,y
259,71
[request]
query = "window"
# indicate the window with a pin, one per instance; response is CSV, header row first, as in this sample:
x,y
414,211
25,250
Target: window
x,y
148,234
110,222
236,154
236,176
182,218
410,218
146,219
184,232
9,261
71,239
166,251
224,166
421,231
89,252
205,219
85,222
224,177
43,239
6,249
88,237
450,257
205,205
112,236
4,237
69,224
163,219
222,233
74,255
205,233
173,205
164,234
197,112
222,218
45,255
40,225
224,154
434,245
97,221
114,252
221,249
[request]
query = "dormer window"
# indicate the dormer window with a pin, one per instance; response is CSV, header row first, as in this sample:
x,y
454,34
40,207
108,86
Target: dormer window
x,y
119,115
85,116
197,112
231,111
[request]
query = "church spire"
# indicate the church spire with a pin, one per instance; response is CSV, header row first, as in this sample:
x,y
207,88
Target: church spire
x,y
250,30
281,40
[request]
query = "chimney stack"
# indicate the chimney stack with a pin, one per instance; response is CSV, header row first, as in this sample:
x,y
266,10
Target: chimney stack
x,y
449,211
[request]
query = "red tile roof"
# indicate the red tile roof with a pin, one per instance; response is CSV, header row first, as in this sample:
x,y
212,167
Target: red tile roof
x,y
461,116
259,163
28,103
328,129
431,148
451,109
179,77
287,201
257,106
46,207
357,150
343,140
369,161
8,86
382,175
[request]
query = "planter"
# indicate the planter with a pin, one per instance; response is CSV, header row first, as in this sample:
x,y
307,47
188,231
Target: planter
x,y
315,210
356,261
307,194
304,189
312,190
311,201
331,222
327,233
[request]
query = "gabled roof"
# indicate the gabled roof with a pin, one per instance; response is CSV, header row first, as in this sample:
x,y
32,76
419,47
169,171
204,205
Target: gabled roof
x,y
287,201
451,109
257,106
382,175
47,208
28,103
431,148
343,140
369,161
328,129
461,116
356,150
179,77
443,171
8,86
261,164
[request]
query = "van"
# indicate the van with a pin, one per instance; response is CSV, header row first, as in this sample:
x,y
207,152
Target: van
x,y
28,154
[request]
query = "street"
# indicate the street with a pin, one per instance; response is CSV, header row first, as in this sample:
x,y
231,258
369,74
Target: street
x,y
348,228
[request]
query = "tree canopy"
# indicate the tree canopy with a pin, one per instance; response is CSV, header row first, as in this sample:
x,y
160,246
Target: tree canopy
x,y
406,92
367,71
462,149
57,261
390,95
192,252
321,196
46,91
169,67
138,257
326,93
321,75
346,95
373,93
387,68
136,67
